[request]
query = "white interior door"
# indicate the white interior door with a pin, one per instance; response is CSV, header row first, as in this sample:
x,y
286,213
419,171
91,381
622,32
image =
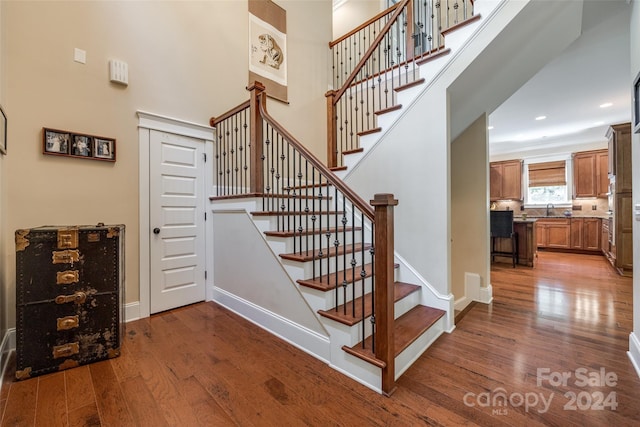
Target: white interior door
x,y
177,221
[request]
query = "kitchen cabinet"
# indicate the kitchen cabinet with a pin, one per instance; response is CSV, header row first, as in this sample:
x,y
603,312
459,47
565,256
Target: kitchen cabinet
x,y
590,173
585,234
553,233
623,231
621,246
619,137
505,180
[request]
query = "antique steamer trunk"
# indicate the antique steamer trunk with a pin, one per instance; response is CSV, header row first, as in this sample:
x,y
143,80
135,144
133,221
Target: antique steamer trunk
x,y
69,296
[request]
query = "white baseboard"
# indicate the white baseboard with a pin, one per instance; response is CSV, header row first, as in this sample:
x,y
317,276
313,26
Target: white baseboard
x,y
132,311
634,351
305,339
462,303
486,295
8,345
474,291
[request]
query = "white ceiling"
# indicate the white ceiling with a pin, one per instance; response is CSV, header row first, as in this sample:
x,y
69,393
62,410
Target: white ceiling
x,y
593,70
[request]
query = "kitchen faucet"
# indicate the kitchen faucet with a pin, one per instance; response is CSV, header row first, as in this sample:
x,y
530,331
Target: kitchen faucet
x,y
549,207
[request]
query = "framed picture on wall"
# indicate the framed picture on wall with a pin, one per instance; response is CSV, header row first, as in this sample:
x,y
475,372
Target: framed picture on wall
x,y
81,145
78,145
636,104
104,148
3,132
56,142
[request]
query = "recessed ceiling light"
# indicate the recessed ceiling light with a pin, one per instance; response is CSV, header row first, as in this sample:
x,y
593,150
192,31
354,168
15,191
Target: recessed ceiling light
x,y
606,105
489,127
541,117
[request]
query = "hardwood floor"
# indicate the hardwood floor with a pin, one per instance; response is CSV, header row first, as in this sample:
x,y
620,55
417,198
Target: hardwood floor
x,y
202,365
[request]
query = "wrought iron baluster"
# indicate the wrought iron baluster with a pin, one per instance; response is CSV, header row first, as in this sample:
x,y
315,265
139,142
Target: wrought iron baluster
x,y
353,257
306,200
373,291
313,221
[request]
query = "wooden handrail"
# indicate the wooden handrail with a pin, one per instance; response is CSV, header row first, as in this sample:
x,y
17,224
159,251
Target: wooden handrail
x,y
370,50
213,121
364,25
357,201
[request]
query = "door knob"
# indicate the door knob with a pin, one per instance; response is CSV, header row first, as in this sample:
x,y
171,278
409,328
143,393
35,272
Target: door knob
x,y
156,230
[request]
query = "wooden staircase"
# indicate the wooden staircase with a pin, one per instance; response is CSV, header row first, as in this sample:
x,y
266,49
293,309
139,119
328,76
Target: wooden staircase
x,y
411,321
344,266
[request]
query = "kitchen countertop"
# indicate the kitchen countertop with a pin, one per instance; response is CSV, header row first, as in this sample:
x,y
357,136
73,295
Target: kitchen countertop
x,y
562,217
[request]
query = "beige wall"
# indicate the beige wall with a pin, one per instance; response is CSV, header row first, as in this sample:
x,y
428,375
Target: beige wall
x,y
3,190
187,59
469,208
352,13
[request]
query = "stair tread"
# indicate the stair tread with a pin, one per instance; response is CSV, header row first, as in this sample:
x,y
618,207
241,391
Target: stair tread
x,y
410,85
388,110
338,168
369,131
267,196
327,282
408,328
460,24
355,150
292,233
345,312
333,251
433,55
287,213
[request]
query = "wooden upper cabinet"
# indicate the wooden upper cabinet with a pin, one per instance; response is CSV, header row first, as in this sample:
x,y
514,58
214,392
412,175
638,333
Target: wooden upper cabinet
x,y
619,137
590,177
602,175
505,180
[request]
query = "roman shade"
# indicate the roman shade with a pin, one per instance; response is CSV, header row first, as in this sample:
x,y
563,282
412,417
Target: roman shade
x,y
547,174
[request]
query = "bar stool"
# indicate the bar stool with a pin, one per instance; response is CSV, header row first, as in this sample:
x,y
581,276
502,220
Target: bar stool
x,y
502,227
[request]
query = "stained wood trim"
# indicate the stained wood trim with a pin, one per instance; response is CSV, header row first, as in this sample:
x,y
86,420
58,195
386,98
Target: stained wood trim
x,y
213,121
388,110
409,85
368,132
370,50
364,25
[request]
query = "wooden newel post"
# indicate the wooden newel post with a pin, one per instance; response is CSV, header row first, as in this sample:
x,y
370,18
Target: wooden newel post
x,y
332,132
256,184
384,281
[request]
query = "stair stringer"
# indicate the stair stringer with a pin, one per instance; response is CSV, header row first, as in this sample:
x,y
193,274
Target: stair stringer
x,y
274,301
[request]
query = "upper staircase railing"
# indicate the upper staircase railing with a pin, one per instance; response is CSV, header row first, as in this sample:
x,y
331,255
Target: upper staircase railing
x,y
379,57
347,241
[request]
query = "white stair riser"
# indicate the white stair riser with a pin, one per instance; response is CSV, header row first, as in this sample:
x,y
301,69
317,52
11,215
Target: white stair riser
x,y
304,270
409,355
321,300
312,242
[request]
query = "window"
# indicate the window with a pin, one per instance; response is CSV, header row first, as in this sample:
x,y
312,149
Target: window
x,y
547,183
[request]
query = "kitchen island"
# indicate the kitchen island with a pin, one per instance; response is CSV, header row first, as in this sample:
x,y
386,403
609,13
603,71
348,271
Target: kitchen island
x,y
526,230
